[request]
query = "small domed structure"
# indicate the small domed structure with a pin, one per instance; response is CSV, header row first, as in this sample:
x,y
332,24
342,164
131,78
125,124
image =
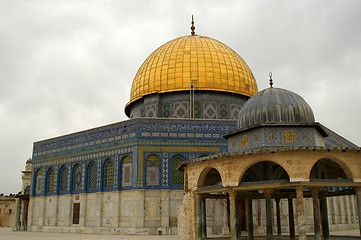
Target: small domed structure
x,y
275,106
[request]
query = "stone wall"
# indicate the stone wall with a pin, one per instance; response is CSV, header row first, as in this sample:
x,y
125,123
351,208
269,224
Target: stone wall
x,y
118,212
7,211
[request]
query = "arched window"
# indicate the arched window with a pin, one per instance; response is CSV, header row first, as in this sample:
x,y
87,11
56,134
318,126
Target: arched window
x,y
152,170
50,188
177,177
108,174
39,181
63,179
77,178
92,176
126,172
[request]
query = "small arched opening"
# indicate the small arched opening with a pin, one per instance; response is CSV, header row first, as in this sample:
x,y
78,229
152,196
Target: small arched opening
x,y
265,171
209,177
327,169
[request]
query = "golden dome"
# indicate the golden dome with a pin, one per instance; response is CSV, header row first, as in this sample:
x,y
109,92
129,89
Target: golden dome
x,y
207,63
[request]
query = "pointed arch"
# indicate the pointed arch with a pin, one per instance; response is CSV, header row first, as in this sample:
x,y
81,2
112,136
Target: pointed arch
x,y
108,173
63,179
126,171
152,170
92,178
50,181
39,181
77,178
177,177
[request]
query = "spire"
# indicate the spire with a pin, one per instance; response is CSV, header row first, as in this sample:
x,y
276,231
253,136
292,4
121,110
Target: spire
x,y
270,79
192,27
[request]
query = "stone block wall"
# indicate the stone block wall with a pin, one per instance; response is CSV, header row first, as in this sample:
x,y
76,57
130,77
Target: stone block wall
x,y
118,212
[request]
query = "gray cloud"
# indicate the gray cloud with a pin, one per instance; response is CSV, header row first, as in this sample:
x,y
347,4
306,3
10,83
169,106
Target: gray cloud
x,y
68,66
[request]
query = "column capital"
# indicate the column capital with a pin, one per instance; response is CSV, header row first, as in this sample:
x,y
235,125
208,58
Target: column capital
x,y
232,192
199,196
267,191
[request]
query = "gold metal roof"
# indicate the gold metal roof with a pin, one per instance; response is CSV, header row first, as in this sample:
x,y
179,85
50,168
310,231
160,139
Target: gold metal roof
x,y
203,61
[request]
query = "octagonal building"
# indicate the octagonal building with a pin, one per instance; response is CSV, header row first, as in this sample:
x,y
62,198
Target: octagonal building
x,y
122,178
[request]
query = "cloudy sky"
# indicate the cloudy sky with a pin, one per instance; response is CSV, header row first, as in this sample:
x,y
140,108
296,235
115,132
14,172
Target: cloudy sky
x,y
67,66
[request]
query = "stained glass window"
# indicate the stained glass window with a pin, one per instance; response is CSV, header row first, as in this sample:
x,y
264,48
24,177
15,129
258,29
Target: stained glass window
x,y
127,172
177,176
77,178
39,181
63,174
50,181
152,170
92,176
109,171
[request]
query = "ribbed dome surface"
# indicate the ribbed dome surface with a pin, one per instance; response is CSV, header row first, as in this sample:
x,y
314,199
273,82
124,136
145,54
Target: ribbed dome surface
x,y
275,106
207,63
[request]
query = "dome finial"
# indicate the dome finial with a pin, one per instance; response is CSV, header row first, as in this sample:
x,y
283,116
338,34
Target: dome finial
x,y
193,27
270,79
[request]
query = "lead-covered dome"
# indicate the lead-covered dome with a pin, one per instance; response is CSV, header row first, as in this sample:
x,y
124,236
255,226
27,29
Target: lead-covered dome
x,y
206,63
275,106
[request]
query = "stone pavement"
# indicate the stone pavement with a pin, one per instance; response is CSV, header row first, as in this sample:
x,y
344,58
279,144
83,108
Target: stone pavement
x,y
8,234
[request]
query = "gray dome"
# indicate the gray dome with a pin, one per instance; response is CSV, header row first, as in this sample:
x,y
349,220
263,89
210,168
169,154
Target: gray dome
x,y
275,106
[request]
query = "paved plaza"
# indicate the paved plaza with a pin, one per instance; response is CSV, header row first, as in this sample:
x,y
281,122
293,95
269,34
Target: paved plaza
x,y
8,234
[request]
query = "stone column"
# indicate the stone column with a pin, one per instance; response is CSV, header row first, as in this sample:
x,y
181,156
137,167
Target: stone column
x,y
324,216
300,213
194,226
23,215
17,214
249,210
239,219
204,217
30,211
354,209
348,209
278,216
336,211
269,223
225,229
316,214
342,209
25,210
199,227
358,195
233,215
291,218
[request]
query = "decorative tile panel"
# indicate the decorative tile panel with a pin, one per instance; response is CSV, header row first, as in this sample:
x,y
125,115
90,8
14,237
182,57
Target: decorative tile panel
x,y
150,111
180,110
210,110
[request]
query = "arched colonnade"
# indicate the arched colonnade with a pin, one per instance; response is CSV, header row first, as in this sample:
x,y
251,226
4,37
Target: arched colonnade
x,y
291,175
